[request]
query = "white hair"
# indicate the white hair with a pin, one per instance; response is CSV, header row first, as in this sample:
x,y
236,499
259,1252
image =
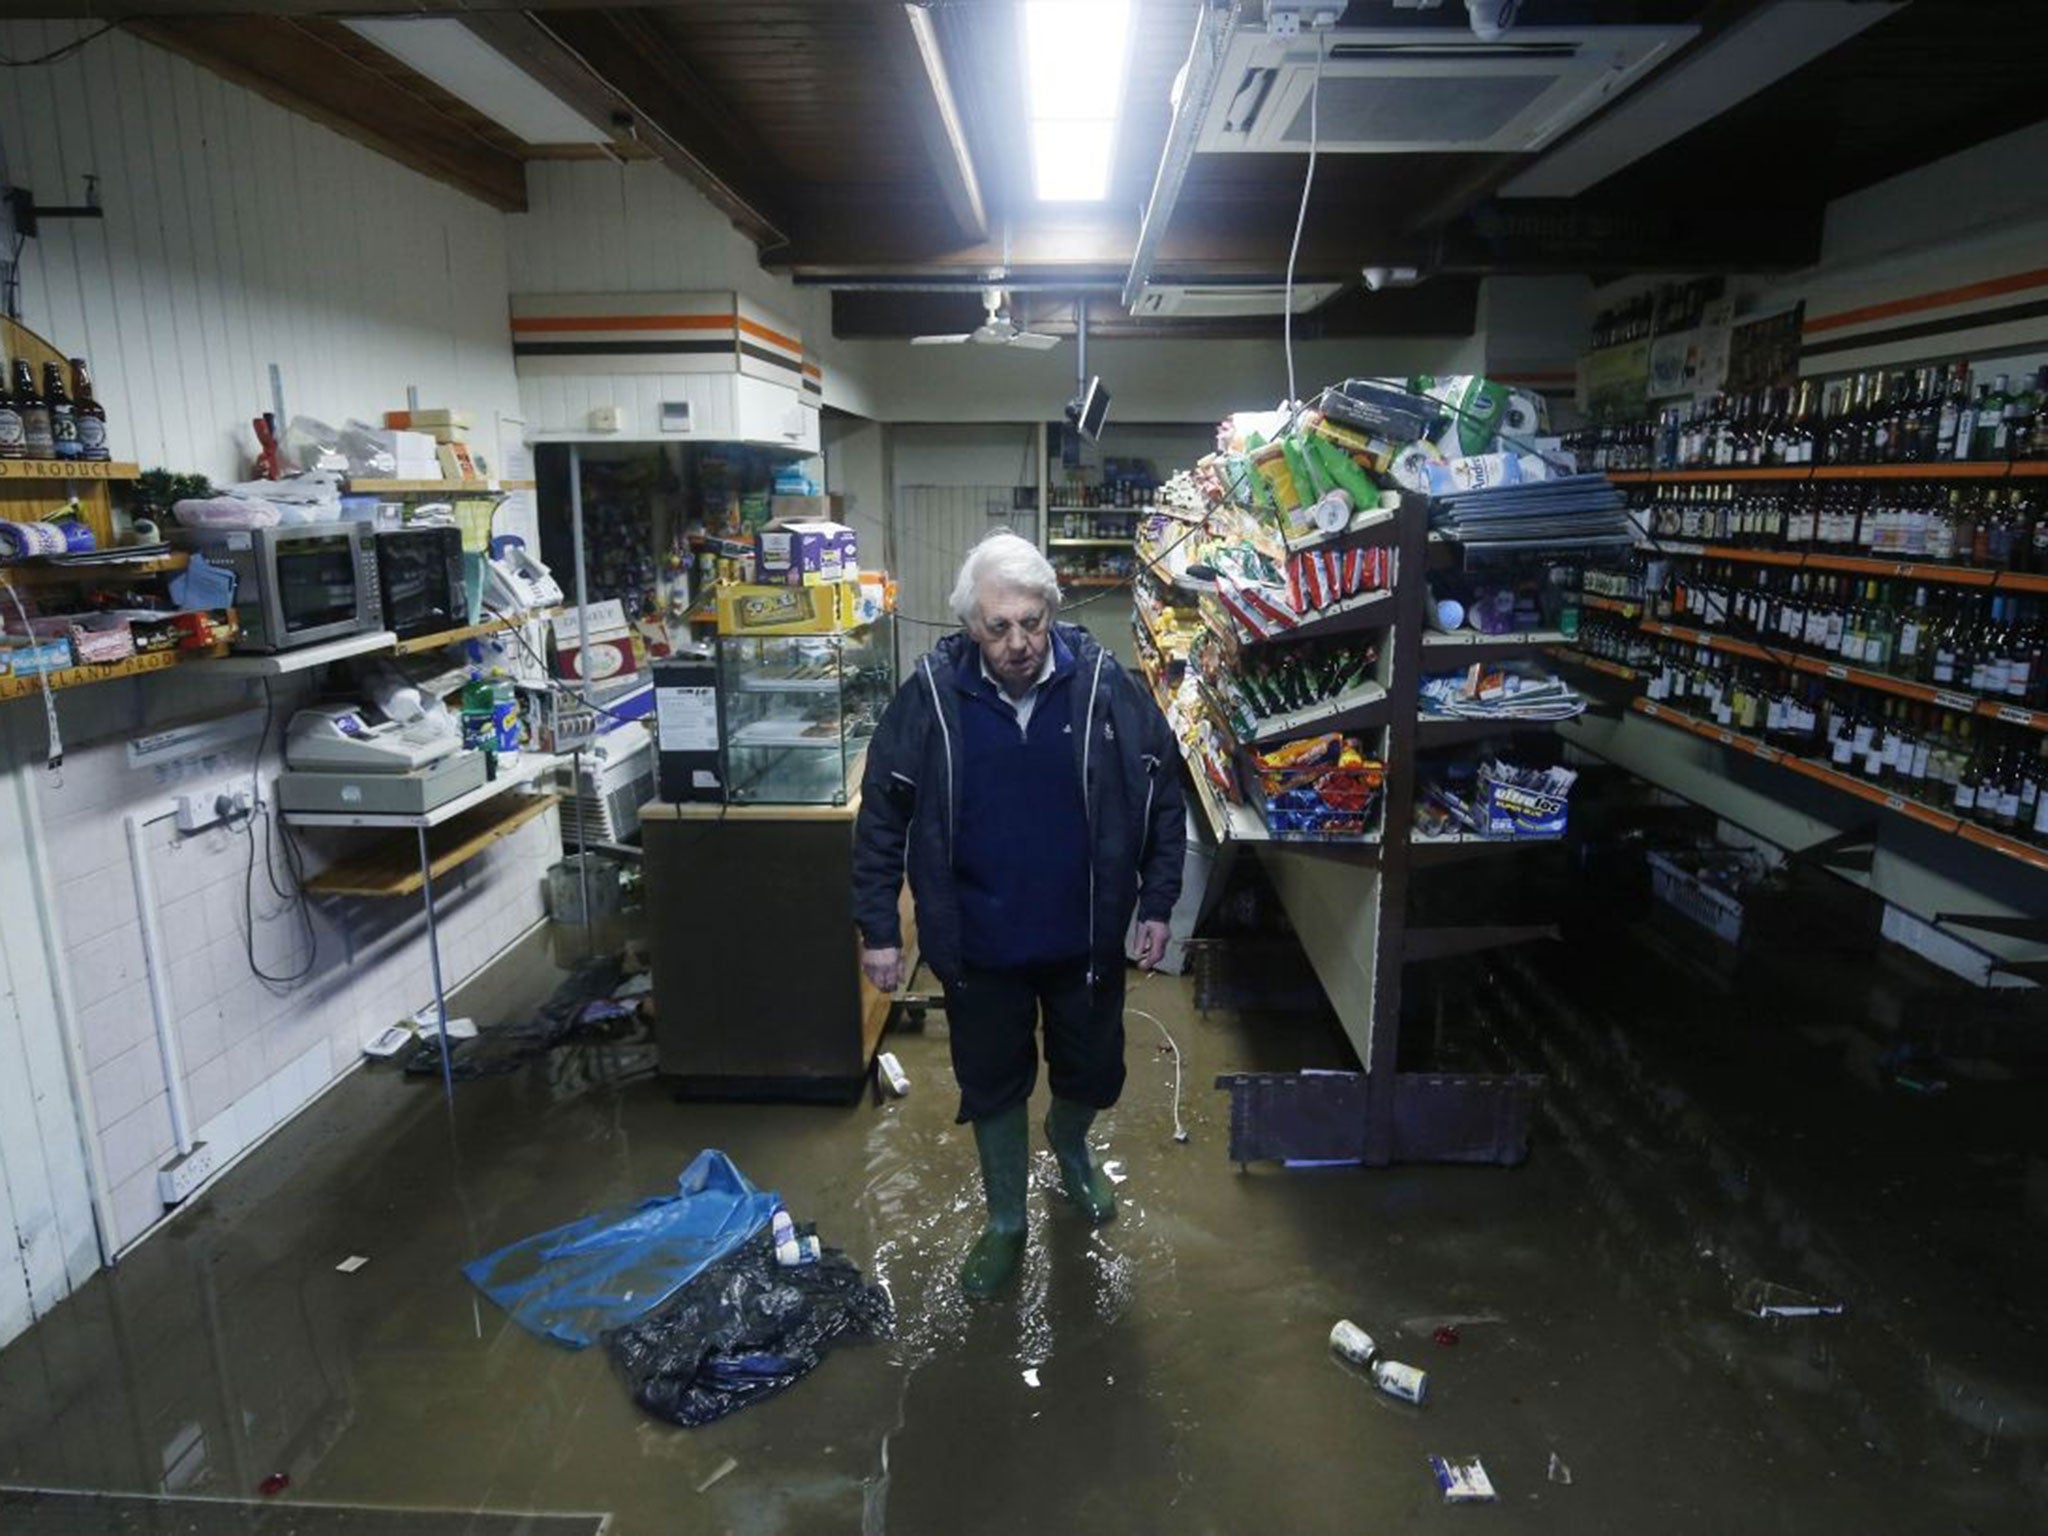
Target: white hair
x,y
1005,561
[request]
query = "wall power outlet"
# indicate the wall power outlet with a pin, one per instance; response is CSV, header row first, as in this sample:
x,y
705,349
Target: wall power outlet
x,y
181,1175
217,802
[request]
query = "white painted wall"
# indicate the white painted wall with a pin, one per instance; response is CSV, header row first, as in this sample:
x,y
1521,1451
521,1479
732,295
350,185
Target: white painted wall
x,y
253,1053
238,235
1149,381
1970,217
593,227
47,1239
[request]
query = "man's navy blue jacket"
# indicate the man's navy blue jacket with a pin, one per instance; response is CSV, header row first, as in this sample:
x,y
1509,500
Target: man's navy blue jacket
x,y
1124,761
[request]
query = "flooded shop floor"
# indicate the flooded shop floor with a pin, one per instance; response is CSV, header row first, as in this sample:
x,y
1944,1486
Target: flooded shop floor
x,y
1170,1372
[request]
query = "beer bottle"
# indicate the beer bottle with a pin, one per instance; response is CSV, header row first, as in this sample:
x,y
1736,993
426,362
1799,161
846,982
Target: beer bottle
x,y
63,419
35,415
91,415
12,445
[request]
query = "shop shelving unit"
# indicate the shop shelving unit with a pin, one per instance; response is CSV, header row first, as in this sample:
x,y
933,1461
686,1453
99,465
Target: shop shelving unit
x,y
1919,857
1348,903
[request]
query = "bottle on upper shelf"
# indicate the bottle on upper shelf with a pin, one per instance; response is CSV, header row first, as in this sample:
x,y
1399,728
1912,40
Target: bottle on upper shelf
x,y
90,415
13,445
37,442
64,442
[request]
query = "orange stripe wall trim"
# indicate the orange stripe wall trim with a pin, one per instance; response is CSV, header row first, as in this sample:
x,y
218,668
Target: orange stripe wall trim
x,y
656,323
623,322
1941,298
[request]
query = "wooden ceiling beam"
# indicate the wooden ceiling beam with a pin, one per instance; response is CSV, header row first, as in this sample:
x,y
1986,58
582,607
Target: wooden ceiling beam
x,y
288,62
591,66
911,43
626,60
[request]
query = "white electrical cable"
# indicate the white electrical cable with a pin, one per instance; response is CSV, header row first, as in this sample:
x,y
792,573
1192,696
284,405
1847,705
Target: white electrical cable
x,y
1180,1132
1315,91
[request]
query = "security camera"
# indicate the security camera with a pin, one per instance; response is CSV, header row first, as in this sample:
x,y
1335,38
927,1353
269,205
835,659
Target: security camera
x,y
1490,18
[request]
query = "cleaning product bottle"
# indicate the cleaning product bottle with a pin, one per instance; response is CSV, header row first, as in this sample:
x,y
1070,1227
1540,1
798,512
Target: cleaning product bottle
x,y
505,729
478,705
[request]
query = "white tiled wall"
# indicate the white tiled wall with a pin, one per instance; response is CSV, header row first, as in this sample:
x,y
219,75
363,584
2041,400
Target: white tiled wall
x,y
253,1053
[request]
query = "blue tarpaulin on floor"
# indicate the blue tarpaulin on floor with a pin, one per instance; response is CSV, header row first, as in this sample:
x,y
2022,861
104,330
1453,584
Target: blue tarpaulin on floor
x,y
607,1270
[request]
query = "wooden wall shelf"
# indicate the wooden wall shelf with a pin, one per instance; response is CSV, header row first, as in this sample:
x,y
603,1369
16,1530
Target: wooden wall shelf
x,y
1880,569
79,677
391,867
66,469
1967,470
1959,700
1872,794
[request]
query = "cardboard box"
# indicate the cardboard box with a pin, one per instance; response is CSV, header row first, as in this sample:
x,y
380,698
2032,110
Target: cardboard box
x,y
817,509
615,652
456,463
805,554
748,608
431,421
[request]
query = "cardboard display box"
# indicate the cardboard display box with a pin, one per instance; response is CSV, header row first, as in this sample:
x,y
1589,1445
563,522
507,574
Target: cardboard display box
x,y
805,554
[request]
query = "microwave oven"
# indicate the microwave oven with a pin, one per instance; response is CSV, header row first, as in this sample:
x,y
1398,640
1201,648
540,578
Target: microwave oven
x,y
295,584
420,578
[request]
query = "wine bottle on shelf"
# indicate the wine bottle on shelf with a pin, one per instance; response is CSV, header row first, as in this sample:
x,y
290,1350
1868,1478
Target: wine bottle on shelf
x,y
1907,659
2041,796
2030,433
1954,399
1989,440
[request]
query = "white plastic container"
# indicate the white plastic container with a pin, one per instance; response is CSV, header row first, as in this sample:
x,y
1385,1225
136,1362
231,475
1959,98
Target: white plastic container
x,y
892,1073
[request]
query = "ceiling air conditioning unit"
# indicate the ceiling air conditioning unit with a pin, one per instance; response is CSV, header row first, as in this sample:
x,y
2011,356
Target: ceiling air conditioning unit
x,y
1423,90
1221,301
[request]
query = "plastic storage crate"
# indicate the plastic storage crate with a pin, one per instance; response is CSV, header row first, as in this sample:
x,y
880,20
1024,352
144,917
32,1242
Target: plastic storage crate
x,y
1677,880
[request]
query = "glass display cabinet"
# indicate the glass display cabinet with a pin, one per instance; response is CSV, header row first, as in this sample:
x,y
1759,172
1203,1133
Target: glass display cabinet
x,y
799,710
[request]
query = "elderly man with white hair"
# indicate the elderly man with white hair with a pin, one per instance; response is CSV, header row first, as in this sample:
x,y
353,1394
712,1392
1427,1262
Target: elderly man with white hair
x,y
1029,790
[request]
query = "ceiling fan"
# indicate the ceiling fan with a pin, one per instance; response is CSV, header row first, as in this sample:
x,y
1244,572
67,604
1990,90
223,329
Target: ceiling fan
x,y
998,330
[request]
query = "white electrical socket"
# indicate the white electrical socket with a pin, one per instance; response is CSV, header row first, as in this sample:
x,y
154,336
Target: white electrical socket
x,y
181,1175
217,802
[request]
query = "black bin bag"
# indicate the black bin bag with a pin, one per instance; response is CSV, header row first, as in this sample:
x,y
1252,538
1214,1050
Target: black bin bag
x,y
745,1329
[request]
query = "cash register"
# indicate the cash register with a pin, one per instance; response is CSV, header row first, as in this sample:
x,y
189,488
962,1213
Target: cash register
x,y
401,755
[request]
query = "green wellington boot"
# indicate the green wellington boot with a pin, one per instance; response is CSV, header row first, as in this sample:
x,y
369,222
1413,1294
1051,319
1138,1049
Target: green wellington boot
x,y
1066,1127
1004,1142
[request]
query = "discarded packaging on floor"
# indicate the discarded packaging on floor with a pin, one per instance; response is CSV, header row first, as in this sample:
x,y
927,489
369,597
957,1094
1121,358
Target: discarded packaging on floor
x,y
1463,1482
1765,1298
577,1281
745,1329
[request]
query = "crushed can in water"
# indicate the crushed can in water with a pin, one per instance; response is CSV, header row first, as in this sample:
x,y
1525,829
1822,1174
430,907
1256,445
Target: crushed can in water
x,y
892,1073
1353,1343
1402,1381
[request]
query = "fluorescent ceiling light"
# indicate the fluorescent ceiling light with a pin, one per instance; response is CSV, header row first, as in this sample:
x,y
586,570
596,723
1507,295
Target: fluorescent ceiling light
x,y
1758,51
1072,160
1074,54
465,66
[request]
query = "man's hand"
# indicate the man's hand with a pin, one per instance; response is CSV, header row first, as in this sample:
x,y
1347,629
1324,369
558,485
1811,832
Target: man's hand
x,y
1151,945
884,967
